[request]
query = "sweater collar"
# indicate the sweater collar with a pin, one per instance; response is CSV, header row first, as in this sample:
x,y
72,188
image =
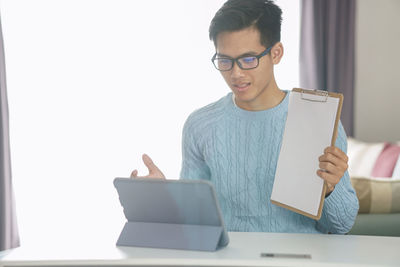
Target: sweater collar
x,y
237,111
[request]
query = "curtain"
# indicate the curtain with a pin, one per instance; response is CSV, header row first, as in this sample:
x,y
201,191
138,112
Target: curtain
x,y
327,50
8,225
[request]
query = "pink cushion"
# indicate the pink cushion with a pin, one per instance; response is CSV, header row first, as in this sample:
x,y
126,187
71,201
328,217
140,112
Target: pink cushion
x,y
386,161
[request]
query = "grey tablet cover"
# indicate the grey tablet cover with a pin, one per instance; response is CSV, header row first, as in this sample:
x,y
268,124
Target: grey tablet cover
x,y
180,214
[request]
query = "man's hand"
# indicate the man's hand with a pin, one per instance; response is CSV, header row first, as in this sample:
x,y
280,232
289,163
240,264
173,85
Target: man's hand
x,y
154,171
333,164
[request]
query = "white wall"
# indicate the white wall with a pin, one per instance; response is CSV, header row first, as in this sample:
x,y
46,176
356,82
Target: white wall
x,y
92,85
377,105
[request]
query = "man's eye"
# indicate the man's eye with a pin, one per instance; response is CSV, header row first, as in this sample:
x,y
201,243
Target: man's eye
x,y
248,60
224,61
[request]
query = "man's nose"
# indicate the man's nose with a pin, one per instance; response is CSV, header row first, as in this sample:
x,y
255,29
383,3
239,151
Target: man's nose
x,y
236,71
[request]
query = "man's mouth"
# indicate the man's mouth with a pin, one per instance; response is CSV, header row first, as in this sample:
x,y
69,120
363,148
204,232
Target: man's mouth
x,y
241,86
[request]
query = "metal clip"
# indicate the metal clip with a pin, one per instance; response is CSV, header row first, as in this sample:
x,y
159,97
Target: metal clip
x,y
311,93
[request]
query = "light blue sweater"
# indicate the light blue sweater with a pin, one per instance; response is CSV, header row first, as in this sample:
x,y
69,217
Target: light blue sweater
x,y
237,150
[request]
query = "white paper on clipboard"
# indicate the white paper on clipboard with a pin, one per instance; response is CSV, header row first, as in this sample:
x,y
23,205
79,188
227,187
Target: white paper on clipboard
x,y
311,126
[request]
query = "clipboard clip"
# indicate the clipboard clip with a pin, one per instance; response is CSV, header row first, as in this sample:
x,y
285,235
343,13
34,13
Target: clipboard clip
x,y
323,94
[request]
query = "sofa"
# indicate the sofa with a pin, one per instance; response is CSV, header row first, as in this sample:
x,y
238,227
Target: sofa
x,y
374,170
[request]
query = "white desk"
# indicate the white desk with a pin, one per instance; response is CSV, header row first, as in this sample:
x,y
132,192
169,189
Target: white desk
x,y
244,249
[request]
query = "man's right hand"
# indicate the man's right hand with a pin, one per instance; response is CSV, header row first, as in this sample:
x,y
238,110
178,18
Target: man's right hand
x,y
154,171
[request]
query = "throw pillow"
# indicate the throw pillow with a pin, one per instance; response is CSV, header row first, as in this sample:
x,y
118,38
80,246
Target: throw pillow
x,y
396,171
362,156
386,161
377,195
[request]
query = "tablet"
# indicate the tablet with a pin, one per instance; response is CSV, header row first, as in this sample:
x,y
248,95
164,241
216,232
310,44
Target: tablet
x,y
159,205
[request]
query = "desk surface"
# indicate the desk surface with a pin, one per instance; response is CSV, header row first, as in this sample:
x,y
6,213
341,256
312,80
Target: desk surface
x,y
244,249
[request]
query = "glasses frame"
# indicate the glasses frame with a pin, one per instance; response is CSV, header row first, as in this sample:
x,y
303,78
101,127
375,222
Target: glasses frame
x,y
233,60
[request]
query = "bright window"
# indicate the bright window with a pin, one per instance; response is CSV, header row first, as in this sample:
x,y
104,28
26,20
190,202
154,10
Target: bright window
x,y
94,84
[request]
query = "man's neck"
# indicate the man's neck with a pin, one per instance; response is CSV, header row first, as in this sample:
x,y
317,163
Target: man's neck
x,y
270,99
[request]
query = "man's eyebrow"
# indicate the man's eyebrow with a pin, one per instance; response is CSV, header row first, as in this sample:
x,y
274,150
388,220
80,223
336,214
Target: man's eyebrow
x,y
250,53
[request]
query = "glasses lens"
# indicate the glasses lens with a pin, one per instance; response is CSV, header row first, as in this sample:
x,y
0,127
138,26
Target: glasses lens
x,y
248,62
223,63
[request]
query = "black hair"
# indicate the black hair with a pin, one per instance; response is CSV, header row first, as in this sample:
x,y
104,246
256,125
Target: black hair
x,y
236,15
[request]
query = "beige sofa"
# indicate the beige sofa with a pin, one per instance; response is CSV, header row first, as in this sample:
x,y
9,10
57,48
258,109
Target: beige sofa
x,y
379,197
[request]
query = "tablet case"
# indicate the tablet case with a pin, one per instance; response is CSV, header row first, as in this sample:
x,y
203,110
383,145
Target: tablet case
x,y
175,214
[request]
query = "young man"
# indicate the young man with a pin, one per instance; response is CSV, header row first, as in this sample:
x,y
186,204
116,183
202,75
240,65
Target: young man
x,y
235,142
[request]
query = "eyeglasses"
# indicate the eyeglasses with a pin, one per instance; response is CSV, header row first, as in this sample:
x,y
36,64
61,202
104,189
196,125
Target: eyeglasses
x,y
244,62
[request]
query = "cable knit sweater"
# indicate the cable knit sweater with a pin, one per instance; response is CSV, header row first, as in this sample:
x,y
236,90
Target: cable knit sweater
x,y
237,150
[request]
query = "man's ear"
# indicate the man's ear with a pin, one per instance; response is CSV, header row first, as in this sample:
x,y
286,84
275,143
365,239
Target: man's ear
x,y
277,53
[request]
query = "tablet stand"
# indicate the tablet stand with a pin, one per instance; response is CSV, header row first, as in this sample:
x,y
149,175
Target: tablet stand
x,y
172,236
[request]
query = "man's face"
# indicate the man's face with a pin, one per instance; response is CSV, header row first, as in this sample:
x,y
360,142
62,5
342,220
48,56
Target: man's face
x,y
251,87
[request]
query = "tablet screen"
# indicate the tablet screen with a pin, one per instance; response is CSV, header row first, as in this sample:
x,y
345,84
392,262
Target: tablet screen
x,y
182,201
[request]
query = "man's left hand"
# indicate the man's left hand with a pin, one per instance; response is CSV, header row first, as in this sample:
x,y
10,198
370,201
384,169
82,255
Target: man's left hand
x,y
333,165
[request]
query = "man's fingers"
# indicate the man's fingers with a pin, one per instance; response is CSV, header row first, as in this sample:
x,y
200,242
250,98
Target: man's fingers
x,y
154,171
134,174
337,152
328,177
328,167
150,164
337,159
333,164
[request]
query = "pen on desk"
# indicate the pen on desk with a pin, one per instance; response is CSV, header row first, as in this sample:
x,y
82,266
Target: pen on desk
x,y
286,255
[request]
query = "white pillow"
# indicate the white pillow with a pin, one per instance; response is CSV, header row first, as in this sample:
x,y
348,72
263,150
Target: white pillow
x,y
396,171
362,156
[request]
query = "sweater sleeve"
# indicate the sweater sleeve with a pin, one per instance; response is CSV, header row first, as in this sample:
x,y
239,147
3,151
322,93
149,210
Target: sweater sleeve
x,y
341,206
193,163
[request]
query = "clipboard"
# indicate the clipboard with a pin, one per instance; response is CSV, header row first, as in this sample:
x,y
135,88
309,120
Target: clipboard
x,y
311,126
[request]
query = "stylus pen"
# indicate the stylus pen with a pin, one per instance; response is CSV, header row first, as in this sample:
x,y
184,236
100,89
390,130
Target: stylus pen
x,y
286,255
